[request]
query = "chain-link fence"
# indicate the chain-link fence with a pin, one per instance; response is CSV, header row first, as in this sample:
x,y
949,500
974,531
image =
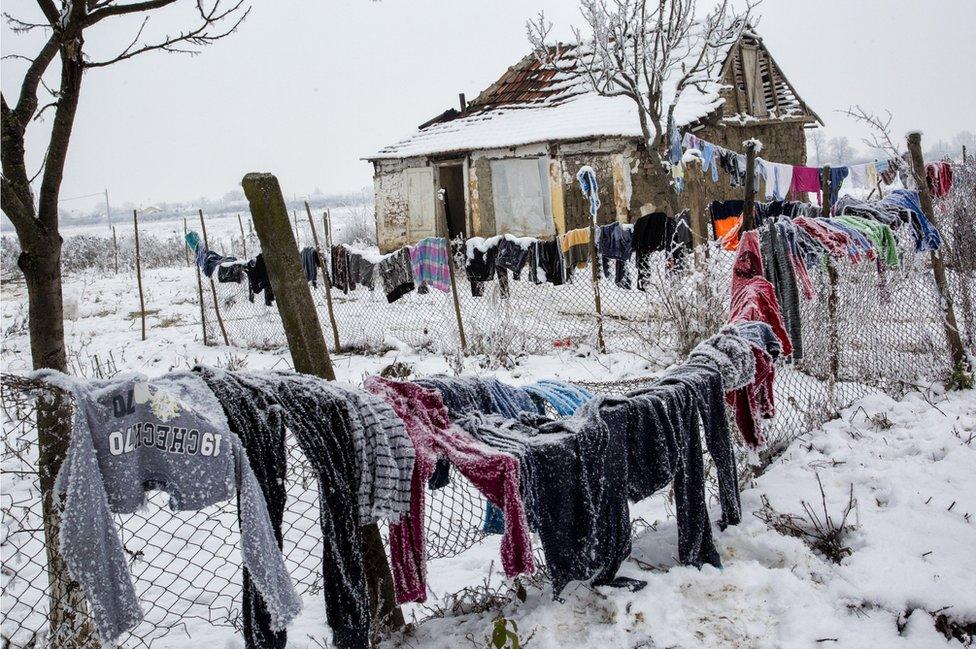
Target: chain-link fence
x,y
867,329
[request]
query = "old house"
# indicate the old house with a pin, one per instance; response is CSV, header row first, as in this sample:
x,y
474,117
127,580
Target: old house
x,y
506,161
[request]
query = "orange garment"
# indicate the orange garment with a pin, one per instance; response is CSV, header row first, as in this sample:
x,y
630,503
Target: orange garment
x,y
727,231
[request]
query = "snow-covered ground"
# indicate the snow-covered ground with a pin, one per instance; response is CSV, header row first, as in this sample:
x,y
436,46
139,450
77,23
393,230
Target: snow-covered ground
x,y
912,466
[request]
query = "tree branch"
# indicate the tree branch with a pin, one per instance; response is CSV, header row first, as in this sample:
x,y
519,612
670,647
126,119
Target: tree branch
x,y
27,102
185,42
109,10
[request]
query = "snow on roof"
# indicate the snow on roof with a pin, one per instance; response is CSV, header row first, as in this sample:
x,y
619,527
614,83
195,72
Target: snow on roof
x,y
531,103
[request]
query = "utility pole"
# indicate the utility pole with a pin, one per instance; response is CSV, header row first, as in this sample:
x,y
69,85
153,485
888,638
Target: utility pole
x,y
108,211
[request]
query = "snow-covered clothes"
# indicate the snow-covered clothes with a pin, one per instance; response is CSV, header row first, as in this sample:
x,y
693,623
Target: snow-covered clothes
x,y
495,474
130,437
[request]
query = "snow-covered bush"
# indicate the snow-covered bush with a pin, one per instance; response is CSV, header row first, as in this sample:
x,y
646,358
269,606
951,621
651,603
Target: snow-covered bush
x,y
9,251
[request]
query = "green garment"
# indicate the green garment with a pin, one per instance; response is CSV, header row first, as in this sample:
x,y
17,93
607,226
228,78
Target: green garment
x,y
880,235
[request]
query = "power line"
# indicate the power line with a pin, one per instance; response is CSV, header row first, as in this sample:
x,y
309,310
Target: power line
x,y
74,198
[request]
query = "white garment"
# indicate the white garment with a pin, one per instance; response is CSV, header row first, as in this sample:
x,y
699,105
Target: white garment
x,y
779,178
858,177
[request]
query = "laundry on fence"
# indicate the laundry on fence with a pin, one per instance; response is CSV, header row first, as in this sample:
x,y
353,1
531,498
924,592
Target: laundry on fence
x,y
310,264
258,280
429,262
131,436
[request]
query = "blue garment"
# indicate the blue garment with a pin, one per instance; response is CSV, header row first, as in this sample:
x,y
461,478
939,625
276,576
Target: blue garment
x,y
675,149
201,256
926,236
565,398
192,240
509,401
837,176
709,159
587,180
494,522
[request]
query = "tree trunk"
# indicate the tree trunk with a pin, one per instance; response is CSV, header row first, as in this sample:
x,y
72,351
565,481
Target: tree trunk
x,y
70,624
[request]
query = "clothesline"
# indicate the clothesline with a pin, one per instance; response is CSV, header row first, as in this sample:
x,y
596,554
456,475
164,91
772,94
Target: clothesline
x,y
782,179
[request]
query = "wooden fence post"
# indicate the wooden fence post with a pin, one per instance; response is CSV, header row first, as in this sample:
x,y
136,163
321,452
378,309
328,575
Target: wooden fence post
x,y
749,200
203,311
454,291
115,249
243,238
825,189
186,246
326,281
213,286
956,351
142,301
833,342
695,200
310,354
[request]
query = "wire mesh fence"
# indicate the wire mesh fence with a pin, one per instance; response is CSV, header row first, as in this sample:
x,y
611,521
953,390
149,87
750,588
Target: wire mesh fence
x,y
884,327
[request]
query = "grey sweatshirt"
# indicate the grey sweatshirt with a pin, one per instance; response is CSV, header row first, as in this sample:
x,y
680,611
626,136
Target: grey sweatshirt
x,y
130,437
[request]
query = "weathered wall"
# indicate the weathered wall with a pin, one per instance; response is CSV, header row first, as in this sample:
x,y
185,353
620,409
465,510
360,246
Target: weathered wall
x,y
390,203
627,188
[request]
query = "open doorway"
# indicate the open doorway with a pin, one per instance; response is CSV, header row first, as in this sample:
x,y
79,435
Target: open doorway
x,y
452,182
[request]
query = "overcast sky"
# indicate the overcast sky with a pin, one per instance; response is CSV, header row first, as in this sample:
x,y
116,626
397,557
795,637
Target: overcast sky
x,y
307,88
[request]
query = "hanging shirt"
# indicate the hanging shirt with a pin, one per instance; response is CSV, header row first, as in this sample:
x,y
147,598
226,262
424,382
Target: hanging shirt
x,y
397,274
576,247
870,175
429,263
130,437
806,179
837,176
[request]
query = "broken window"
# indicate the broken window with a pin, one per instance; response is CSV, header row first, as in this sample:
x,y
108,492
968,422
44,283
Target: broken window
x,y
520,193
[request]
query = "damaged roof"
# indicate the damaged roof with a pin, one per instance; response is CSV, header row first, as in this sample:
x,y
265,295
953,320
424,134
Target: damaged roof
x,y
533,103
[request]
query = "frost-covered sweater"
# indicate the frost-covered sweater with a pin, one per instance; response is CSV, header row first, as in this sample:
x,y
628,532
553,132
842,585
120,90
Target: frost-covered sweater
x,y
494,473
130,437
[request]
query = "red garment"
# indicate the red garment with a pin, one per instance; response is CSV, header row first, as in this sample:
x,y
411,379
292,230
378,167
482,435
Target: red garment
x,y
753,296
838,244
753,398
494,473
806,179
800,270
938,176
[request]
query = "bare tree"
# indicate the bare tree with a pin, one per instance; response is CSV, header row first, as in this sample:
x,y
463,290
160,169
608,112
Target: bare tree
x,y
650,51
818,141
879,138
35,218
841,151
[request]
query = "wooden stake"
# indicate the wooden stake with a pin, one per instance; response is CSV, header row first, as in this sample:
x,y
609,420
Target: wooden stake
x,y
142,300
203,311
833,342
749,200
243,238
326,281
213,286
450,270
964,158
310,354
115,249
825,191
186,246
695,197
327,224
956,350
595,279
298,239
